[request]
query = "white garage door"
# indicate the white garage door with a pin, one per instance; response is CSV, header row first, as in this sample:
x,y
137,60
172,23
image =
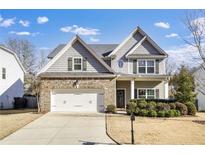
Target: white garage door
x,y
77,101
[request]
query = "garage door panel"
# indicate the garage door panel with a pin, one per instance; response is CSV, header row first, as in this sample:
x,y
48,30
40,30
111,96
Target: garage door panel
x,y
83,102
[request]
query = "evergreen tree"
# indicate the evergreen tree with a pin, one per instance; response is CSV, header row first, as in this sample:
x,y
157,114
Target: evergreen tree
x,y
184,86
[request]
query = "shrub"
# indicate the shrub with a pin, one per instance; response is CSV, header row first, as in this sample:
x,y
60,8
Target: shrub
x,y
133,100
191,108
172,106
111,109
163,106
142,104
176,113
170,113
143,112
182,108
151,105
137,110
152,113
131,106
161,114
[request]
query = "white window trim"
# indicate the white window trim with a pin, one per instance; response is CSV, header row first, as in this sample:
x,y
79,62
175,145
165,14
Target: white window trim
x,y
146,92
74,64
146,65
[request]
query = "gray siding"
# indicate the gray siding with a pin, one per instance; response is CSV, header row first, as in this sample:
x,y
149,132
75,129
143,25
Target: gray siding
x,y
77,50
146,48
120,55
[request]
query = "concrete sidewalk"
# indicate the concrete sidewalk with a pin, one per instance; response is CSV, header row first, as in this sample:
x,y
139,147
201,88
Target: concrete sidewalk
x,y
62,128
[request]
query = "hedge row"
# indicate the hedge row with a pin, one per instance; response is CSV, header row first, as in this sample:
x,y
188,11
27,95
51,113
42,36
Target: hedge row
x,y
153,109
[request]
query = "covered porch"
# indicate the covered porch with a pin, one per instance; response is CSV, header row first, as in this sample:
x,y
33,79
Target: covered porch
x,y
138,87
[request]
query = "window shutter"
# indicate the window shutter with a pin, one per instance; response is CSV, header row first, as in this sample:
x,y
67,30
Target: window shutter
x,y
157,93
70,64
157,67
134,66
84,64
135,93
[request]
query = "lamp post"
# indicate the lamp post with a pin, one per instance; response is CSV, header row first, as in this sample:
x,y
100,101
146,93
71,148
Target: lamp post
x,y
132,118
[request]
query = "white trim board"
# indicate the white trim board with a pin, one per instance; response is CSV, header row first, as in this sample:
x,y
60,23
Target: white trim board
x,y
136,46
15,56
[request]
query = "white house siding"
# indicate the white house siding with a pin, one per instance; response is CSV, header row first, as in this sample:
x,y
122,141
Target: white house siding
x,y
12,86
200,88
77,50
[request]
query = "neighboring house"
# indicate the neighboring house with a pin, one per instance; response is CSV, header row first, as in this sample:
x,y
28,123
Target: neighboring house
x,y
88,77
199,76
11,78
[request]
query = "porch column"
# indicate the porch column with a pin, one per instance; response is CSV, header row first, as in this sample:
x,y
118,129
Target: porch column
x,y
132,85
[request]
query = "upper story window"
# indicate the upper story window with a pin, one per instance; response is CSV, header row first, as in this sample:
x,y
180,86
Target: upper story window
x,y
146,66
3,73
77,64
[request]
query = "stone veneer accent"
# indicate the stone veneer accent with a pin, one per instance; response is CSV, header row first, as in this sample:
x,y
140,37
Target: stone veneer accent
x,y
107,85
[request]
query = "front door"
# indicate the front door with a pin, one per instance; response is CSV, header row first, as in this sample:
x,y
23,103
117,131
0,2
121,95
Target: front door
x,y
120,98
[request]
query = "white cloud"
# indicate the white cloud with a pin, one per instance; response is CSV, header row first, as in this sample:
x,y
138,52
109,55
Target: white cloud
x,y
24,33
171,35
92,39
184,55
162,25
44,48
7,22
66,29
42,20
80,30
24,23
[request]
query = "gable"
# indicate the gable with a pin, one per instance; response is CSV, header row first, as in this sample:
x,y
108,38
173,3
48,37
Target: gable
x,y
138,39
146,48
77,49
130,43
12,56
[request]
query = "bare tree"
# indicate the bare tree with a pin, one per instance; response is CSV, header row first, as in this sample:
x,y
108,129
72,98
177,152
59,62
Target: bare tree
x,y
25,51
170,67
42,60
195,23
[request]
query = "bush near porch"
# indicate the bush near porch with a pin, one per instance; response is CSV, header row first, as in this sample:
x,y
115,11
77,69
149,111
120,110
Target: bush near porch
x,y
159,109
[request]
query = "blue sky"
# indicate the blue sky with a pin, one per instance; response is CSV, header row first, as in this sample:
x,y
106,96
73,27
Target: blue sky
x,y
48,28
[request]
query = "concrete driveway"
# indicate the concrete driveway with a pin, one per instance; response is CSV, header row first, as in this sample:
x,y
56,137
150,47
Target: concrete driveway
x,y
62,128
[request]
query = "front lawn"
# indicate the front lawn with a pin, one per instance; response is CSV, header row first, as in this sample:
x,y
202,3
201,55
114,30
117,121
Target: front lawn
x,y
179,130
12,120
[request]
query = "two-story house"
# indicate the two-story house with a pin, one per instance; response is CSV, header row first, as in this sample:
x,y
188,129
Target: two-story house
x,y
11,78
88,77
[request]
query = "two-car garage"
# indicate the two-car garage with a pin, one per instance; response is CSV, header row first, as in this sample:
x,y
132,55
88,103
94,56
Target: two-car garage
x,y
77,100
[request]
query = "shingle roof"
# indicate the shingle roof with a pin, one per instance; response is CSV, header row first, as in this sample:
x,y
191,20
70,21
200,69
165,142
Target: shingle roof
x,y
101,49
